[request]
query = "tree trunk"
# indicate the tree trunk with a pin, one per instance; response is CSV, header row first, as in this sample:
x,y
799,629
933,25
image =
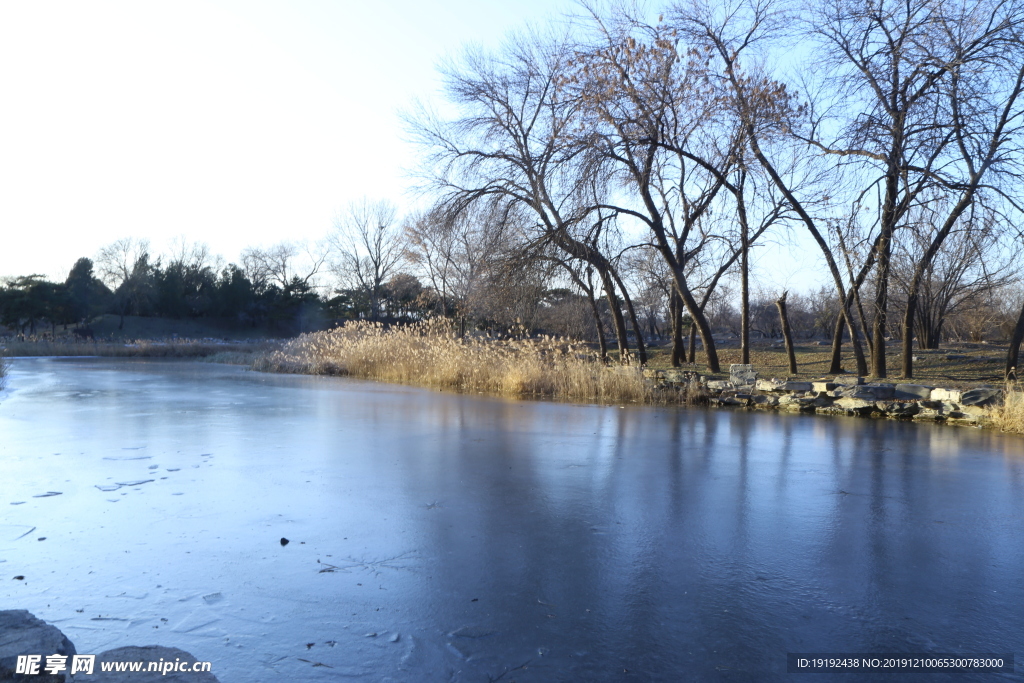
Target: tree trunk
x,y
884,260
744,275
1013,354
837,347
616,311
599,325
641,349
845,318
700,322
588,288
864,327
678,343
679,278
597,260
786,335
744,300
693,344
907,346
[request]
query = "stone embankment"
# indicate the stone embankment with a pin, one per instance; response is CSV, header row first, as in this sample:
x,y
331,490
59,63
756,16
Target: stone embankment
x,y
21,633
843,395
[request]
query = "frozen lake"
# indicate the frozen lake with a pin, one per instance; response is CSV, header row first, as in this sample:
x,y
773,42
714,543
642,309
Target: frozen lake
x,y
477,539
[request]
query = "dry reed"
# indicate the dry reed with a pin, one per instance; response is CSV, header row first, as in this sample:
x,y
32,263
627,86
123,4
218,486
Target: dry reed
x,y
430,354
1009,417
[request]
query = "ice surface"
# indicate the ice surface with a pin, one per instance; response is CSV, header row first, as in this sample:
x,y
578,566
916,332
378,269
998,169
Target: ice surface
x,y
436,537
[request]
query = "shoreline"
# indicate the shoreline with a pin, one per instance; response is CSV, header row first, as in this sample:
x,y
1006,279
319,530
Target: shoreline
x,y
847,395
850,395
844,396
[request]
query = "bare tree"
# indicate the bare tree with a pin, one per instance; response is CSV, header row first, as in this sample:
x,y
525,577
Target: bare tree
x,y
765,108
649,121
284,264
432,249
125,267
367,246
970,266
983,69
512,150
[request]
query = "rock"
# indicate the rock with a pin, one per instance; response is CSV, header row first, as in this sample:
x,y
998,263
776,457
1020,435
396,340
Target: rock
x,y
737,400
150,653
794,403
678,375
855,406
975,411
21,633
742,375
719,385
822,386
982,396
806,404
912,391
956,356
762,401
950,407
849,380
871,392
797,386
931,414
946,395
898,408
770,385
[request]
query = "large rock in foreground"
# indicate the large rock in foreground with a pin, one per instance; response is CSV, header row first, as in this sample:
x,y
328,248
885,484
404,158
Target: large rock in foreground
x,y
149,653
23,634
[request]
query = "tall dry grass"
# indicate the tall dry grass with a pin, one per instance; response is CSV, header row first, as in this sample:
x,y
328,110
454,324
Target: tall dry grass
x,y
1009,417
430,354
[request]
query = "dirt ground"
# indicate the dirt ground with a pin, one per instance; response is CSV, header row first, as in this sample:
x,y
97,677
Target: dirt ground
x,y
958,365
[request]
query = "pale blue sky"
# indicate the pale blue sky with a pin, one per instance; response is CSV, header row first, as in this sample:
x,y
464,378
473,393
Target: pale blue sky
x,y
234,122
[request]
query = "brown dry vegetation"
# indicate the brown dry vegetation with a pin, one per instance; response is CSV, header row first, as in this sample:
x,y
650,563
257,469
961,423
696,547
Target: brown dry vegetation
x,y
1009,417
430,354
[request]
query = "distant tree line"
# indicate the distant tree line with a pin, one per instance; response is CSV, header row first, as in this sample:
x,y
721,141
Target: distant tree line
x,y
125,280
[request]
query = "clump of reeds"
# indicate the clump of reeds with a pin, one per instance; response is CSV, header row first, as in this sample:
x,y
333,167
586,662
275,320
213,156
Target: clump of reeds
x,y
1009,417
3,369
430,354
